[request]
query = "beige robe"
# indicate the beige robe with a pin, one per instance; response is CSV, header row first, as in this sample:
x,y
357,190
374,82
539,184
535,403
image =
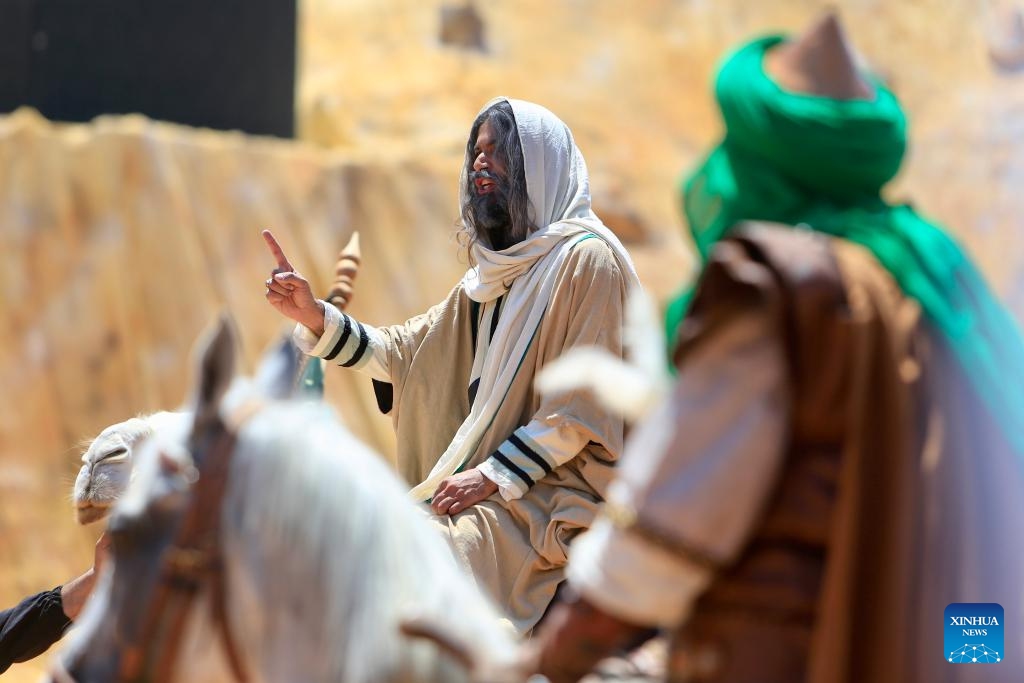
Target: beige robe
x,y
564,285
516,550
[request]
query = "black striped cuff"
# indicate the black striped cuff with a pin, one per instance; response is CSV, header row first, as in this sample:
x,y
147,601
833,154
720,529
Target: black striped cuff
x,y
523,458
351,344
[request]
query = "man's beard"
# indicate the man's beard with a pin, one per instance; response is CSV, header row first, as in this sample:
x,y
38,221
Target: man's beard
x,y
492,220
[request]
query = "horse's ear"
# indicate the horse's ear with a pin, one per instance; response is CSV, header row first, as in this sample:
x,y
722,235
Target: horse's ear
x,y
216,351
278,372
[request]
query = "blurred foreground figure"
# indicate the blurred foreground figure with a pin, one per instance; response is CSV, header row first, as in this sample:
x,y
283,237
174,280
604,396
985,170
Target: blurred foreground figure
x,y
840,458
510,478
28,629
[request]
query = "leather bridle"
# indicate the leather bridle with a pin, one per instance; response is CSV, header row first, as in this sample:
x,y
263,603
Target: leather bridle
x,y
194,560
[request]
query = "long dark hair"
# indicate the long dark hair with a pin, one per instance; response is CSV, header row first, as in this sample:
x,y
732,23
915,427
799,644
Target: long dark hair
x,y
514,192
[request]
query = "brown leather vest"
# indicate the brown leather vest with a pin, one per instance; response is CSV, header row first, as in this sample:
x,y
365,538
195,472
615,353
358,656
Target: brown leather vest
x,y
755,622
899,493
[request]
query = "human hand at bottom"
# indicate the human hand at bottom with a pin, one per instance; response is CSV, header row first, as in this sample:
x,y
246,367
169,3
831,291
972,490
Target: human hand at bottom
x,y
461,491
574,637
75,592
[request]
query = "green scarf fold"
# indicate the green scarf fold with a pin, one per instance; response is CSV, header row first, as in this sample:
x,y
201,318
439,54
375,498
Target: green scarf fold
x,y
820,164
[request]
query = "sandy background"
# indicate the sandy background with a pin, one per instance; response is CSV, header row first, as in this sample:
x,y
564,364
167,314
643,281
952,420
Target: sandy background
x,y
122,238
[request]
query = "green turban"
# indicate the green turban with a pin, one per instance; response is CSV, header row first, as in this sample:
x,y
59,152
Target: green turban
x,y
820,164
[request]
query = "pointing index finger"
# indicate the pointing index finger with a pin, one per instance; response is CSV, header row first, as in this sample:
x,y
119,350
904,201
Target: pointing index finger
x,y
275,249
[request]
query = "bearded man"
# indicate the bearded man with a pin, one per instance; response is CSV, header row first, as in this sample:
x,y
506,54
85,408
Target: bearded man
x,y
510,478
841,456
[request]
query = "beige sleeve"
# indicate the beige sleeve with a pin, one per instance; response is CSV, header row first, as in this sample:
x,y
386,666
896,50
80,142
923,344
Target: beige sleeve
x,y
383,353
693,479
346,342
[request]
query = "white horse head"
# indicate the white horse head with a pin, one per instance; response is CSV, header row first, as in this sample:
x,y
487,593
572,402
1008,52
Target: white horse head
x,y
107,463
323,557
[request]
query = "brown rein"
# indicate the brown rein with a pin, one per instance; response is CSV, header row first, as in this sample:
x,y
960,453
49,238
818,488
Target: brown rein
x,y
195,557
193,560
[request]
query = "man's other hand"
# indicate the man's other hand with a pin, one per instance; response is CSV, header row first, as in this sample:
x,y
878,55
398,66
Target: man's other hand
x,y
290,293
460,491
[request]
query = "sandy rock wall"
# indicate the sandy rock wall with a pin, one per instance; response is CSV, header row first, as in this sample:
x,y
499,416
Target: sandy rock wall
x,y
122,239
632,80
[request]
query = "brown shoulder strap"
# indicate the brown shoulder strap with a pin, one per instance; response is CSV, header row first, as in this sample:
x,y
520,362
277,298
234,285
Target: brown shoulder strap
x,y
815,317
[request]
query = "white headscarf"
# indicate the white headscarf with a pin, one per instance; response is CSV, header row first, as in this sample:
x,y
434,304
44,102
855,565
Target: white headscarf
x,y
559,193
558,188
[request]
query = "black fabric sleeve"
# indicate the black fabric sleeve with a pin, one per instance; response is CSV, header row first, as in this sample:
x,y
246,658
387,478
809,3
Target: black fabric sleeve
x,y
30,628
384,392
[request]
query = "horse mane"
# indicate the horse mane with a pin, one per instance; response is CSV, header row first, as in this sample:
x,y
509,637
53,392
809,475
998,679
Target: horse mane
x,y
309,499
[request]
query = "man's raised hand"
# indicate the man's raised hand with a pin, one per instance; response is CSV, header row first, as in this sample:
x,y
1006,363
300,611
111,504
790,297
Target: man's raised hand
x,y
290,293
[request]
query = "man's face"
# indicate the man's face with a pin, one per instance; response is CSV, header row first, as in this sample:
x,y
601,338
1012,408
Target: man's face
x,y
490,189
488,167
